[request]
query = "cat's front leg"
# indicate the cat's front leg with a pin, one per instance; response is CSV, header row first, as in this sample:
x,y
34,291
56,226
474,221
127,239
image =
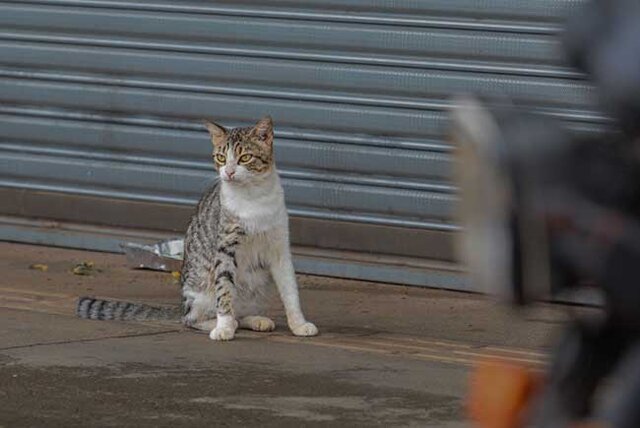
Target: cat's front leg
x,y
226,324
285,279
223,281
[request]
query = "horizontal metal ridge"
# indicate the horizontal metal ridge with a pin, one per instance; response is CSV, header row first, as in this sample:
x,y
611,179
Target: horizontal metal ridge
x,y
254,92
184,182
305,35
194,146
421,62
322,215
428,145
360,82
275,94
299,13
380,181
346,118
107,193
539,10
384,221
311,175
294,211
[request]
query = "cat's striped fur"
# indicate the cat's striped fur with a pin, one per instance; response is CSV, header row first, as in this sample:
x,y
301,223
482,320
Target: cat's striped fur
x,y
236,245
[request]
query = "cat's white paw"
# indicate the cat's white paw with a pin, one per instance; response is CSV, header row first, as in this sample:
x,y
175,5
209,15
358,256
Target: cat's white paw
x,y
222,333
263,324
306,329
257,323
225,329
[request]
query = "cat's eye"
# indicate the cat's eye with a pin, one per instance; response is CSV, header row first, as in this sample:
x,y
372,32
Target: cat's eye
x,y
220,158
245,158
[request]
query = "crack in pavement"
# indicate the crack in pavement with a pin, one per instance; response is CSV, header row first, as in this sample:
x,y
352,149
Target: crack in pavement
x,y
93,339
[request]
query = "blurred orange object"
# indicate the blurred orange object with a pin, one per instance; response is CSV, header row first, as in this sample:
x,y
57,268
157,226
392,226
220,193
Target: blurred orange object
x,y
500,394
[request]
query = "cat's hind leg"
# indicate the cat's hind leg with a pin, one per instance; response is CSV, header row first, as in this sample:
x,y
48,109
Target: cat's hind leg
x,y
206,325
197,306
257,323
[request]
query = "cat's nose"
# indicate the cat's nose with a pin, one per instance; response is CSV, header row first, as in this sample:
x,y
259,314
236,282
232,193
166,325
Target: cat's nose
x,y
230,174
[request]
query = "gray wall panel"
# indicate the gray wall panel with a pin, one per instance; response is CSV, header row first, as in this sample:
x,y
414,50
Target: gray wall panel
x,y
104,98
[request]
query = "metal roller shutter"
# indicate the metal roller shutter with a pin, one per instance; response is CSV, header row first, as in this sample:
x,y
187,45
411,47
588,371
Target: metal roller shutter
x,y
101,102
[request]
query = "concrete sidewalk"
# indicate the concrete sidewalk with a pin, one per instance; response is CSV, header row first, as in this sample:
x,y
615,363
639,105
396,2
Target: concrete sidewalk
x,y
387,355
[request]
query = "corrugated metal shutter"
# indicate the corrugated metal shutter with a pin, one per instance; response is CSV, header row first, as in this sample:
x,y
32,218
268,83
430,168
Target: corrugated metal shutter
x,y
100,103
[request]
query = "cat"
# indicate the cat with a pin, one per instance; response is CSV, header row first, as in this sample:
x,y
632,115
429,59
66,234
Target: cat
x,y
236,246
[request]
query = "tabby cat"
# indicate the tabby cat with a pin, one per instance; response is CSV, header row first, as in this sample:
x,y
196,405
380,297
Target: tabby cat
x,y
236,246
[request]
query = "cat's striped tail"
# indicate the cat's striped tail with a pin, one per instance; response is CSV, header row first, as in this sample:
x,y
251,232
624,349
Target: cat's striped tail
x,y
99,309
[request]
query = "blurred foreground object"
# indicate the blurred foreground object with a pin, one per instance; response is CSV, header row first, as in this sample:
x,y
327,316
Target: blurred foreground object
x,y
500,394
546,212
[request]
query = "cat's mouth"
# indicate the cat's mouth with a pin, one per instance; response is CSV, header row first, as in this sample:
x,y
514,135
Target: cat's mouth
x,y
229,178
232,180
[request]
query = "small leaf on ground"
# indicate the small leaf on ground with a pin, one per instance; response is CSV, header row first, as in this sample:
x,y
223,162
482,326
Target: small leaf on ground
x,y
39,266
84,268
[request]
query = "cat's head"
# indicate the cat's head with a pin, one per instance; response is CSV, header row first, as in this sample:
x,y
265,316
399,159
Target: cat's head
x,y
243,155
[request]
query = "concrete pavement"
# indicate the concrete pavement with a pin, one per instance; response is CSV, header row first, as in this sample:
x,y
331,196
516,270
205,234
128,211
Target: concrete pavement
x,y
387,355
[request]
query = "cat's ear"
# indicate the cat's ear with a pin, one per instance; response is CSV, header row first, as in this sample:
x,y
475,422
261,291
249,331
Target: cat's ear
x,y
263,130
218,133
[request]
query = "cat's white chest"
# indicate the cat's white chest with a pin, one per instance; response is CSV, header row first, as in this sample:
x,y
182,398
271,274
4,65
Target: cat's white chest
x,y
260,211
261,216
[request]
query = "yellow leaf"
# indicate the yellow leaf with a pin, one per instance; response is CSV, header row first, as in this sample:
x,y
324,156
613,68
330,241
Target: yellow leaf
x,y
84,268
40,267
